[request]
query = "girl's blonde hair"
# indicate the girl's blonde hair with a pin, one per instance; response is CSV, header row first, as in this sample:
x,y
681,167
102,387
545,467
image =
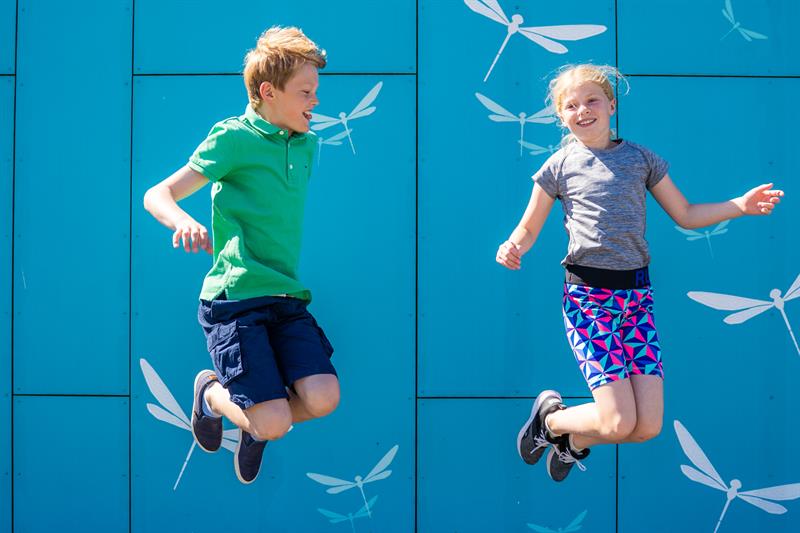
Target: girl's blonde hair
x,y
571,76
277,55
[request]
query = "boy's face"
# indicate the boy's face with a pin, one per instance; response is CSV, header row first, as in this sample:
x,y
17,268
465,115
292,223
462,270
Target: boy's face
x,y
586,111
291,107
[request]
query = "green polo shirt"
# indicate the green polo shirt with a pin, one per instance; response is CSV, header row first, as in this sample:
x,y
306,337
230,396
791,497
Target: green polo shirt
x,y
260,175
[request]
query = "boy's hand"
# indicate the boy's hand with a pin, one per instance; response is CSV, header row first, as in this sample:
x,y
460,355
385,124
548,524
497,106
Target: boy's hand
x,y
194,236
509,255
760,200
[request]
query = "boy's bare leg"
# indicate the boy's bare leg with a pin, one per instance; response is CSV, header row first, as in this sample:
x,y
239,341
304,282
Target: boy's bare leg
x,y
629,410
317,396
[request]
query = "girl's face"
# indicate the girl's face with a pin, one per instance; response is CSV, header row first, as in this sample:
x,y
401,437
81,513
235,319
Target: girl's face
x,y
586,111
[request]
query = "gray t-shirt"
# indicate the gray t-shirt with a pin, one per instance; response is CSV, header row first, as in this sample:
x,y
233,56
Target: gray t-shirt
x,y
603,194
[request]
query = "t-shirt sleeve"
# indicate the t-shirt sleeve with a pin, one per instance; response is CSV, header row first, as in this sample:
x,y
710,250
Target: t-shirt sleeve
x,y
658,168
215,157
547,176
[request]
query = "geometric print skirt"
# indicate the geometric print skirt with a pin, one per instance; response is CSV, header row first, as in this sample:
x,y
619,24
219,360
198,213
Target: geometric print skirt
x,y
612,332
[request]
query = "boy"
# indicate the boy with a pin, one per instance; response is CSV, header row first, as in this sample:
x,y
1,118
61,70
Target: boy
x,y
271,360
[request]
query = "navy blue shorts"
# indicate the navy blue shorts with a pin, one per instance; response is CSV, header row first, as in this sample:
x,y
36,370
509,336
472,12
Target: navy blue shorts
x,y
260,346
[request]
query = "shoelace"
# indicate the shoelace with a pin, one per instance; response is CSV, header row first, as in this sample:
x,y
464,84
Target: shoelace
x,y
540,442
566,457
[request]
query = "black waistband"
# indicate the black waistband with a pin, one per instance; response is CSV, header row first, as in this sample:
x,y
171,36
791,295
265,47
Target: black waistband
x,y
608,279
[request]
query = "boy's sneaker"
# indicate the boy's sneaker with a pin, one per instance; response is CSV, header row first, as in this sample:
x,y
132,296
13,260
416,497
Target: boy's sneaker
x,y
562,458
207,430
533,438
247,457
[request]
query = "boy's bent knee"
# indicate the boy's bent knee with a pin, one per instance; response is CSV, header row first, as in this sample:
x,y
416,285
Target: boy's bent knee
x,y
269,422
617,428
645,431
321,403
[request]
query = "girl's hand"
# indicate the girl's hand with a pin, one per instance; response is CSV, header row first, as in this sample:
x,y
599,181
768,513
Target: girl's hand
x,y
509,255
760,200
193,234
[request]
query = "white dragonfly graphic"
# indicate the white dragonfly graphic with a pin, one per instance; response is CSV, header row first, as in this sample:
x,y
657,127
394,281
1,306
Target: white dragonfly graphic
x,y
362,109
708,476
376,474
575,525
535,149
171,413
500,114
336,140
692,235
336,518
541,35
748,35
748,307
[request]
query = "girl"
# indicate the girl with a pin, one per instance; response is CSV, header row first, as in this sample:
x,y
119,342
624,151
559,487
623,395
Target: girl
x,y
608,301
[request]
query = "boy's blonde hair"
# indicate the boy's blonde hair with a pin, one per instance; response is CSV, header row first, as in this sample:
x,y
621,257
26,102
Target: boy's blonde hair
x,y
279,52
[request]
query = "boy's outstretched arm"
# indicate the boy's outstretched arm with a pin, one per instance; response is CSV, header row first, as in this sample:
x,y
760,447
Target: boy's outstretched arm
x,y
759,200
524,235
161,201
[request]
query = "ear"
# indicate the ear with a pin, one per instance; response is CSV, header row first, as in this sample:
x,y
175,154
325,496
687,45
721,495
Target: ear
x,y
266,91
613,106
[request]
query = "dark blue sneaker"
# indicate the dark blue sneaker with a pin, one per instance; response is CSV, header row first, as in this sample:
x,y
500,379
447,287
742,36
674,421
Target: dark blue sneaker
x,y
533,439
207,430
562,458
247,457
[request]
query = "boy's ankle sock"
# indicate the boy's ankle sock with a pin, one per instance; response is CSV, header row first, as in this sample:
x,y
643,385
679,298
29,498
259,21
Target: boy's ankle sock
x,y
207,409
572,444
550,431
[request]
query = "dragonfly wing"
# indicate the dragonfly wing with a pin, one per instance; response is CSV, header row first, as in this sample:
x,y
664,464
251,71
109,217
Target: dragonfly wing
x,y
368,99
541,529
493,106
696,455
337,490
229,445
544,42
488,8
572,32
316,117
365,510
578,519
724,302
688,232
339,136
328,480
161,392
728,12
772,508
722,224
752,34
363,113
794,290
324,125
741,316
165,416
382,464
781,492
694,237
719,231
531,146
378,477
695,475
331,514
502,118
546,112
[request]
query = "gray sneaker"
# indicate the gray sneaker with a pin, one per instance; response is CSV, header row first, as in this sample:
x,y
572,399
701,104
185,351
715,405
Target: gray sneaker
x,y
562,458
533,439
207,430
247,457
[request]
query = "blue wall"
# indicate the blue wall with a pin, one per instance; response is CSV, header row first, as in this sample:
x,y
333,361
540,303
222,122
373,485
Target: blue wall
x,y
440,351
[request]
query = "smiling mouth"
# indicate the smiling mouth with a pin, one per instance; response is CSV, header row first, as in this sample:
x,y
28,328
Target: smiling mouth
x,y
307,115
587,122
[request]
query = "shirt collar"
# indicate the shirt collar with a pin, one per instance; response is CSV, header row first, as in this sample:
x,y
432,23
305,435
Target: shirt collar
x,y
267,128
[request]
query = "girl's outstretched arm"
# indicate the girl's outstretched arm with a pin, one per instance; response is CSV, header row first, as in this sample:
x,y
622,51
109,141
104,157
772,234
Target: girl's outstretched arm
x,y
524,235
760,200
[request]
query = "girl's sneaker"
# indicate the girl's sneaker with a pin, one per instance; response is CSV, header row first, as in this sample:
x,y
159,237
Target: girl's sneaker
x,y
533,438
562,458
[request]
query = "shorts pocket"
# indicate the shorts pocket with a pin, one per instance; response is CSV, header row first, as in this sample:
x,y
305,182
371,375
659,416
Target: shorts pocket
x,y
225,349
326,344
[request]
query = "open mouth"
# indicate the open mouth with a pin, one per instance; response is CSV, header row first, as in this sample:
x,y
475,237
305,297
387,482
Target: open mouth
x,y
307,115
587,122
